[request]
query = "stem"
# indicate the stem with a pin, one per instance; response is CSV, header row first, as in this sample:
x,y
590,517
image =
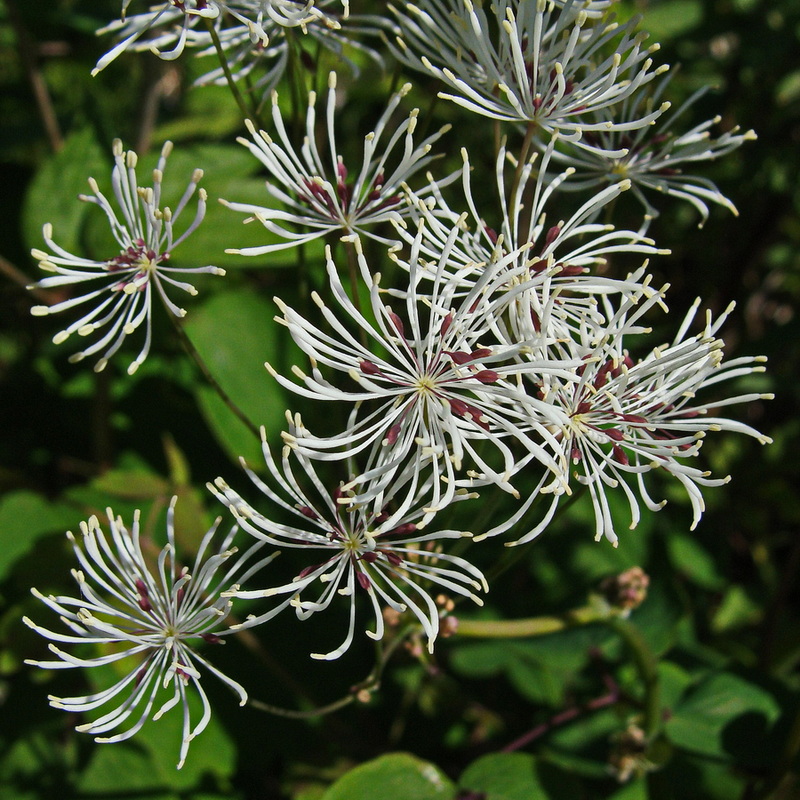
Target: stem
x,y
294,74
369,684
521,161
532,626
237,95
309,714
647,667
30,64
198,359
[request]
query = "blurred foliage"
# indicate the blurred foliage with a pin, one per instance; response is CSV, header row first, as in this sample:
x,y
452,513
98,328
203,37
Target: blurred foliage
x,y
519,719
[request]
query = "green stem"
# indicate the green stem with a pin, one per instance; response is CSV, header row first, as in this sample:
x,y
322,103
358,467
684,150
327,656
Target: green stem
x,y
237,95
521,162
647,667
532,626
198,359
309,714
369,684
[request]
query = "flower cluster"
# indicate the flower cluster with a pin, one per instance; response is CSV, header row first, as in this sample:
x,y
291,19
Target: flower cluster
x,y
464,342
146,608
121,287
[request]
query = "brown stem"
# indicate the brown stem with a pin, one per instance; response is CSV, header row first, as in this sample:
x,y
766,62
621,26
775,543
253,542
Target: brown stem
x,y
224,396
30,64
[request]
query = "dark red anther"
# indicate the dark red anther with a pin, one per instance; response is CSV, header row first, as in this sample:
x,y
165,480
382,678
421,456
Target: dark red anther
x,y
467,411
486,376
491,233
614,434
305,572
394,432
460,357
552,235
584,407
619,455
341,171
393,558
446,323
211,638
370,557
576,455
143,600
538,267
571,270
179,595
401,530
537,103
363,580
668,171
536,321
602,374
307,511
398,323
368,368
633,418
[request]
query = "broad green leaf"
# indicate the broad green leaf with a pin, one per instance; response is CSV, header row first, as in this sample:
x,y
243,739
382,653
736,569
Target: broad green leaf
x,y
539,669
395,776
672,18
235,333
736,610
132,485
53,194
705,719
694,561
211,752
24,518
504,776
123,767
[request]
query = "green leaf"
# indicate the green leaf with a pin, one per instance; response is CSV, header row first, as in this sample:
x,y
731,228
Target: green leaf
x,y
504,776
395,776
668,20
538,669
694,561
123,767
235,333
53,193
713,716
132,485
25,517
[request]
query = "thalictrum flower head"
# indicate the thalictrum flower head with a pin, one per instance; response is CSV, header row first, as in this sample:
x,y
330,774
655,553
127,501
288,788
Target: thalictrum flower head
x,y
653,158
120,288
378,549
318,192
167,28
625,418
531,61
429,382
147,611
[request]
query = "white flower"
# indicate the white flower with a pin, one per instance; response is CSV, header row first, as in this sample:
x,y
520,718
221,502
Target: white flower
x,y
433,387
149,609
318,197
377,549
172,26
625,418
121,287
653,158
550,265
264,64
529,60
